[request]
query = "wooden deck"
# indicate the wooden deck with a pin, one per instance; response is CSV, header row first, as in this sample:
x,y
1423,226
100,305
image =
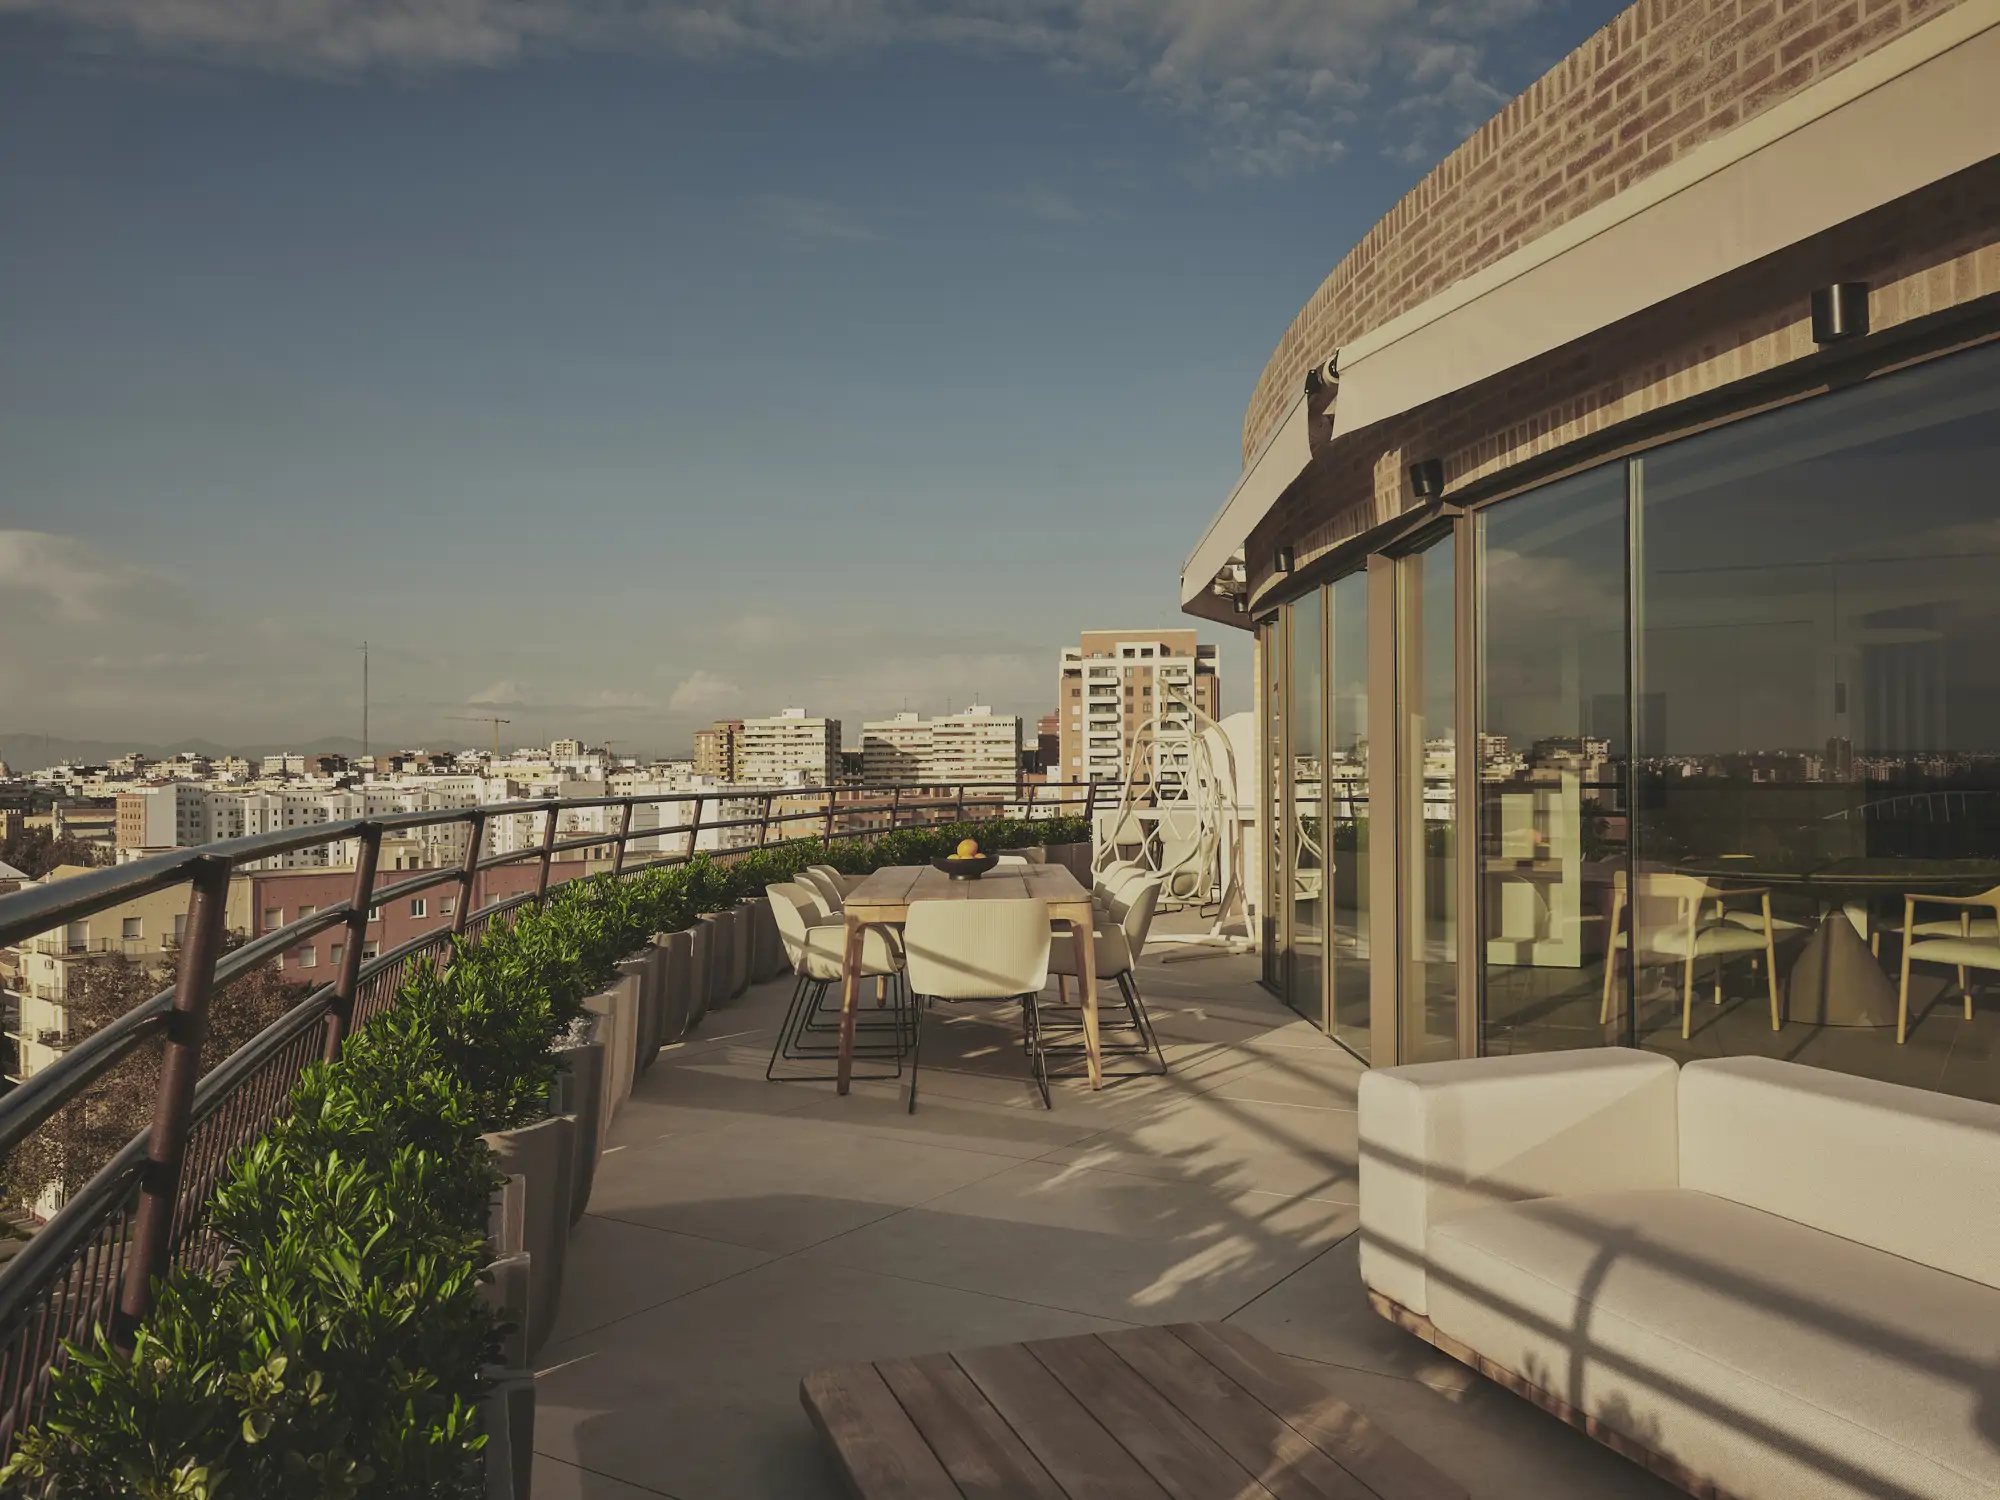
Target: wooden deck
x,y
1195,1411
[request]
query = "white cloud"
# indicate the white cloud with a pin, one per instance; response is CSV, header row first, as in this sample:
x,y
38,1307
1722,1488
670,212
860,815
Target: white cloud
x,y
502,694
800,218
61,572
702,692
1278,81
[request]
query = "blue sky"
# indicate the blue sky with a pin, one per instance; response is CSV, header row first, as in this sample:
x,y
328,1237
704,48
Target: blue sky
x,y
622,365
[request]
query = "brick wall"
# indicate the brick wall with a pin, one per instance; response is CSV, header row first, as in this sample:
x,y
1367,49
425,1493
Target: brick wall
x,y
1660,79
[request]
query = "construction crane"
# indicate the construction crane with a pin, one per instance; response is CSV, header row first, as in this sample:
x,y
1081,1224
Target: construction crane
x,y
494,719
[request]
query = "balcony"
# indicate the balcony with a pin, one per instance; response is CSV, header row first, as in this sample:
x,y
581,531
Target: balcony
x,y
742,1233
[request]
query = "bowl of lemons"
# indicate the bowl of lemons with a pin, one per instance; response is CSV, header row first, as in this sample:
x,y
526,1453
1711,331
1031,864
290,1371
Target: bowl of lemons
x,y
966,862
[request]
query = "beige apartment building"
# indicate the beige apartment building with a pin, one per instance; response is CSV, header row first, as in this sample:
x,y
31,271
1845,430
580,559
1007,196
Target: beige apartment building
x,y
975,746
896,751
1115,681
715,749
789,749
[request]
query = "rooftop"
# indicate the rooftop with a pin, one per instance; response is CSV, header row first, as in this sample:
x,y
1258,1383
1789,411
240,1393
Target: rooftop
x,y
742,1233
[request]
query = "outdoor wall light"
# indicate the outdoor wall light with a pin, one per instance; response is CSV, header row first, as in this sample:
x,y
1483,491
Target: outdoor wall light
x,y
1241,603
1282,560
1427,480
1324,376
1840,312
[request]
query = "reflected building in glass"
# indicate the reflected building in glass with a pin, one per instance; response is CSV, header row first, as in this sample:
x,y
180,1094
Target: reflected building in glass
x,y
1634,680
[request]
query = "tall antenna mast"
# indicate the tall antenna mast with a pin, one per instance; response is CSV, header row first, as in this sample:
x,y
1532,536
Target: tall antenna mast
x,y
364,700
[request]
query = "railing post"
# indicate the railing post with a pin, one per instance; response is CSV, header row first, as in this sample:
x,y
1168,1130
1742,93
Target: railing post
x,y
1028,807
548,853
180,1066
1090,807
468,869
958,807
340,1015
827,837
624,832
694,828
764,823
895,806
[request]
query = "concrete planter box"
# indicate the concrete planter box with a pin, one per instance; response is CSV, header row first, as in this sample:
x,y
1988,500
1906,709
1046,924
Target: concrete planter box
x,y
544,1155
508,1416
698,965
1073,857
740,951
1034,856
675,950
721,927
579,1093
618,1004
644,966
767,948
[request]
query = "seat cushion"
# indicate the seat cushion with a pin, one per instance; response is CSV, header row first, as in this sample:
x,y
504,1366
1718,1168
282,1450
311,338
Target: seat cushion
x,y
1963,951
825,951
1773,1359
1114,954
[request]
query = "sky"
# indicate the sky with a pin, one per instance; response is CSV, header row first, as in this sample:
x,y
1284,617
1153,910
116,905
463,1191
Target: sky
x,y
615,365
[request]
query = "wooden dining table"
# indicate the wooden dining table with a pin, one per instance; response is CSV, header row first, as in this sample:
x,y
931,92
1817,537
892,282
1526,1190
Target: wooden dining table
x,y
884,900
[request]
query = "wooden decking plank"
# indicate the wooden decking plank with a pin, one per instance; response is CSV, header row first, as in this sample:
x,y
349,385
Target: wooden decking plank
x,y
1184,1461
1284,1462
1079,1454
983,1455
878,1450
1337,1429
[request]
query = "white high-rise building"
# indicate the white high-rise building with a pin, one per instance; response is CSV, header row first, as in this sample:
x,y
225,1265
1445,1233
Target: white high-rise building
x,y
976,746
789,749
896,751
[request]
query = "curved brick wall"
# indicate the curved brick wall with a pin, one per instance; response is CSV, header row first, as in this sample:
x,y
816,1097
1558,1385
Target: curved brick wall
x,y
1660,79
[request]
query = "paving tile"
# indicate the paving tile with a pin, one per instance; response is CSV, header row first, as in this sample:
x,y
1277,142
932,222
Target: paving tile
x,y
1235,1144
777,1191
617,1268
556,1480
1105,1243
699,1398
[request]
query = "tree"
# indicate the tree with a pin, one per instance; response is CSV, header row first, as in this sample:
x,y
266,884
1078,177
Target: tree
x,y
74,1143
36,851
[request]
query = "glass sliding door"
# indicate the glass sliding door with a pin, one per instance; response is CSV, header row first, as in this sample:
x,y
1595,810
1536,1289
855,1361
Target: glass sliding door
x,y
1819,728
1552,761
1305,979
1272,909
1347,809
1427,742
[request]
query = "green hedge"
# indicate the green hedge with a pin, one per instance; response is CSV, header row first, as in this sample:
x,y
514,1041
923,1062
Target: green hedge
x,y
341,1354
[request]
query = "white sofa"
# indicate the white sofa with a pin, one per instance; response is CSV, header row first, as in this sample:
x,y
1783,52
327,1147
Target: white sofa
x,y
1768,1281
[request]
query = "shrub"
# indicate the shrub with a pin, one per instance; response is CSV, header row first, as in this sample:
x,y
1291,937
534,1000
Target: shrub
x,y
341,1351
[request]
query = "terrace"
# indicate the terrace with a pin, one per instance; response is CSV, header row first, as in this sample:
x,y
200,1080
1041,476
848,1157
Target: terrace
x,y
742,1233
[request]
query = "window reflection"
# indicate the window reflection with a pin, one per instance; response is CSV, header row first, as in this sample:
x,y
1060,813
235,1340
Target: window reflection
x,y
1308,836
1552,820
1819,720
1430,777
1347,807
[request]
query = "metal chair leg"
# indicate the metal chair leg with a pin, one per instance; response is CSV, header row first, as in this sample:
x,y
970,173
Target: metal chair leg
x,y
916,1051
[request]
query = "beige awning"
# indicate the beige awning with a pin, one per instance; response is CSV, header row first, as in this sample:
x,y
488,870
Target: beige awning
x,y
1282,459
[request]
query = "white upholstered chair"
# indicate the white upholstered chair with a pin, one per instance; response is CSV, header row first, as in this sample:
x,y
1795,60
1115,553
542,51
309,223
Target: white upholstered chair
x,y
1683,919
1968,939
978,950
1118,947
815,944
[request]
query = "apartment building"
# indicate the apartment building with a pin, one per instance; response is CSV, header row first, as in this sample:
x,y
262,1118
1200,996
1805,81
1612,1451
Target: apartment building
x,y
1113,684
789,749
976,746
715,749
896,751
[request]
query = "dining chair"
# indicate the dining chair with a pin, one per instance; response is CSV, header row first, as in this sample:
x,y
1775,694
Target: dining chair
x,y
1683,919
1965,942
825,880
816,950
978,950
1117,952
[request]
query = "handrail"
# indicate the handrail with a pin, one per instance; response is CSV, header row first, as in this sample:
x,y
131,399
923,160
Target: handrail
x,y
129,1224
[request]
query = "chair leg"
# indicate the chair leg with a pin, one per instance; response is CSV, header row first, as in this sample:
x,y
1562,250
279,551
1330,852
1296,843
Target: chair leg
x,y
1687,997
1610,970
916,1049
1031,1025
1128,983
1903,993
1771,975
792,1014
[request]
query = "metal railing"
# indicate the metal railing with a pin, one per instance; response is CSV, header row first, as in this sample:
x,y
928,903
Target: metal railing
x,y
94,1262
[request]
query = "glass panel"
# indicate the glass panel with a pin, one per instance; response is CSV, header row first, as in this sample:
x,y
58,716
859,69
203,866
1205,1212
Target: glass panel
x,y
1819,730
1347,807
1552,821
1428,703
1307,703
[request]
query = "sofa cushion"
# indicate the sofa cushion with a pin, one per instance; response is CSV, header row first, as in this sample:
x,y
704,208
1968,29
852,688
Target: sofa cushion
x,y
1906,1170
1438,1139
1766,1356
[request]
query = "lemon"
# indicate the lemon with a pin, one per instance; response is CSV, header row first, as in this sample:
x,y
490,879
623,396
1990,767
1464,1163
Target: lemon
x,y
968,849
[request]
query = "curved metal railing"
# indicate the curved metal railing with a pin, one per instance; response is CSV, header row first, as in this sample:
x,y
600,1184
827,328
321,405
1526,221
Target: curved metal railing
x,y
94,1262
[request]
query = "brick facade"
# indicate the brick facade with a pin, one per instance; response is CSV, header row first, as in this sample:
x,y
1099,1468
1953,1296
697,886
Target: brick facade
x,y
1659,80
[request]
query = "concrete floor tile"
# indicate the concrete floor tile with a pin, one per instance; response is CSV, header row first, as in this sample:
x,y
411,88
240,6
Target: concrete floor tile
x,y
1106,1243
777,1191
1232,1143
699,1398
616,1269
556,1480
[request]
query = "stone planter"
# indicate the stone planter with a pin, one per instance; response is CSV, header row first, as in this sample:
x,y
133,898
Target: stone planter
x,y
579,1092
721,927
1034,856
1074,857
543,1154
644,967
508,1416
675,984
698,965
767,948
739,958
618,1004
